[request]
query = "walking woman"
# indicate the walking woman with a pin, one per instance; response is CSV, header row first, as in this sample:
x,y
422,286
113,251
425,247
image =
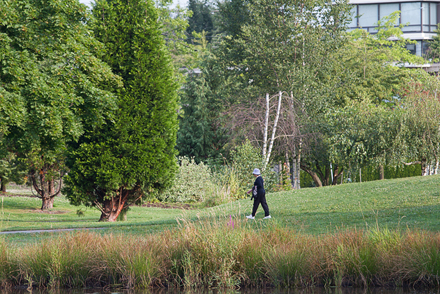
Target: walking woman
x,y
259,195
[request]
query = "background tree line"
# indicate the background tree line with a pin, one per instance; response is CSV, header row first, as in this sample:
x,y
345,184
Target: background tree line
x,y
288,77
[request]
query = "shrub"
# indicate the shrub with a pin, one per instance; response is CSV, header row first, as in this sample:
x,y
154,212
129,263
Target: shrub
x,y
193,183
237,177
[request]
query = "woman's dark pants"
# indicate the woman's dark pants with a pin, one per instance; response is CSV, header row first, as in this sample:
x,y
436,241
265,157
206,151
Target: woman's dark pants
x,y
261,198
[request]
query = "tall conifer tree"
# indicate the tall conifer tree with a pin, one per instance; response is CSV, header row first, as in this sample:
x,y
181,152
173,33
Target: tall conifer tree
x,y
135,155
201,19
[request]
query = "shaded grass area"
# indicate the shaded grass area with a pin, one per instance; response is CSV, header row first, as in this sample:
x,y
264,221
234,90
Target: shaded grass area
x,y
395,204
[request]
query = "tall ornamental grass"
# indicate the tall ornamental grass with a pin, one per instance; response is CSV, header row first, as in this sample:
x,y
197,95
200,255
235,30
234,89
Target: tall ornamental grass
x,y
226,252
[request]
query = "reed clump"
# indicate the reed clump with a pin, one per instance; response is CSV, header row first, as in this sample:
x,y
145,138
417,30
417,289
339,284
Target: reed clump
x,y
226,252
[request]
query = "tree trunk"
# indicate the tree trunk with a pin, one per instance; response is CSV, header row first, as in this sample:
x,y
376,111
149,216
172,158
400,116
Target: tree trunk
x,y
337,174
275,123
423,164
314,176
288,168
298,166
280,169
3,186
113,207
381,172
47,203
294,167
326,181
51,187
266,126
49,198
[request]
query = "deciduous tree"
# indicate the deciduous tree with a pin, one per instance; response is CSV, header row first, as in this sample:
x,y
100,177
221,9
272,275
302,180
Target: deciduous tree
x,y
52,85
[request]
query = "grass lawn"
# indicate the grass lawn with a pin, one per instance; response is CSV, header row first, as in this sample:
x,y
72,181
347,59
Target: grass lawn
x,y
399,203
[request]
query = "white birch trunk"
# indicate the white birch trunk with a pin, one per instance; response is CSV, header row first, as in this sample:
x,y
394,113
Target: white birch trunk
x,y
288,168
298,166
294,168
266,126
272,139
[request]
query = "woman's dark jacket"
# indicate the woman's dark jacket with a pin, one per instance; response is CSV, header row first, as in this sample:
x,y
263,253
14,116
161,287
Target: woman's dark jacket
x,y
259,184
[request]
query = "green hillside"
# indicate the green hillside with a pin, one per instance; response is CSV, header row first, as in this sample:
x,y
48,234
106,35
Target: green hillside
x,y
405,203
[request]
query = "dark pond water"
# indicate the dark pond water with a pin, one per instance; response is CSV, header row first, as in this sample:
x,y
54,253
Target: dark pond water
x,y
245,291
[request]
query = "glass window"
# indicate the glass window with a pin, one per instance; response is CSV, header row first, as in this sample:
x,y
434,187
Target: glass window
x,y
368,15
353,15
412,29
433,28
419,48
411,13
411,48
425,29
387,9
425,13
433,13
425,47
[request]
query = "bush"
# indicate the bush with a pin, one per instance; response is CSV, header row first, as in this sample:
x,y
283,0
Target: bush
x,y
193,183
236,176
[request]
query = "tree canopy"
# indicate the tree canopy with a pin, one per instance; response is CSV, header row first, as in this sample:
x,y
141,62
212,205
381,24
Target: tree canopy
x,y
53,85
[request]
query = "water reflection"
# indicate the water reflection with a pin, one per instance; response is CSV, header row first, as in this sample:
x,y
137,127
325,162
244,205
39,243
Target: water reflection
x,y
316,290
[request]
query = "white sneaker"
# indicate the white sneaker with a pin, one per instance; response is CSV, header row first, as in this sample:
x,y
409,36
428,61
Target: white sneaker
x,y
250,216
266,217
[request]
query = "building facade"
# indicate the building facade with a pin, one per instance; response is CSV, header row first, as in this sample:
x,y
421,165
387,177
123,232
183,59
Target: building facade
x,y
419,17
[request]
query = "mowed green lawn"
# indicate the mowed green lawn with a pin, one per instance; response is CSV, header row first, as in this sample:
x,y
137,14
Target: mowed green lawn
x,y
400,203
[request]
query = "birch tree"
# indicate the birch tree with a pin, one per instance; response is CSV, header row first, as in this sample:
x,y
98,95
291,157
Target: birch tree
x,y
286,48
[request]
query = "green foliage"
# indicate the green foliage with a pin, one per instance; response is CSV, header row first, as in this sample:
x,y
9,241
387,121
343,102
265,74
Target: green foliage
x,y
232,14
419,135
237,176
362,133
202,132
12,170
174,23
53,84
282,46
193,183
402,130
361,121
136,152
370,67
201,19
277,43
433,52
47,80
196,137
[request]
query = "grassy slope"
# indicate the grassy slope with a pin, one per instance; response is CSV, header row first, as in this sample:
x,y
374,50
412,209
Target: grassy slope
x,y
411,202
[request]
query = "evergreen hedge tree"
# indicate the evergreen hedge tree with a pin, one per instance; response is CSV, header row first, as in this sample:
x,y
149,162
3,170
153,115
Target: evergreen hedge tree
x,y
134,155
